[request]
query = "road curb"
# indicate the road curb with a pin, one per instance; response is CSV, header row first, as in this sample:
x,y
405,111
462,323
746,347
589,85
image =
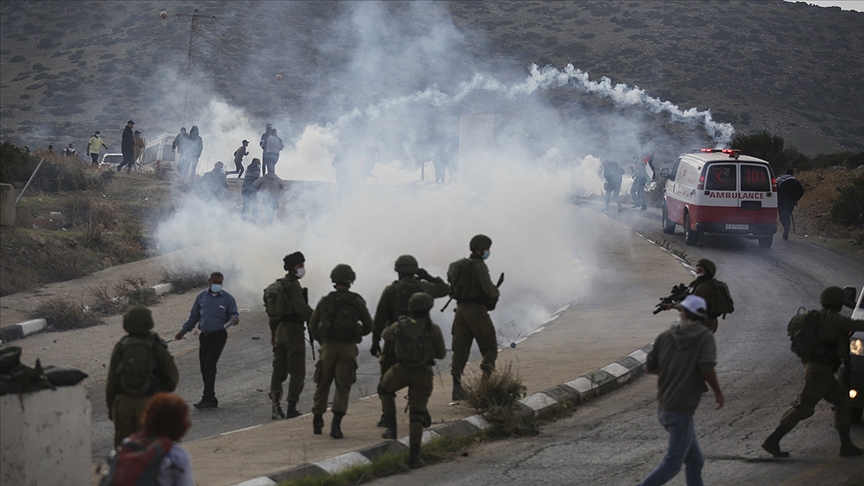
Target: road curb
x,y
26,328
572,393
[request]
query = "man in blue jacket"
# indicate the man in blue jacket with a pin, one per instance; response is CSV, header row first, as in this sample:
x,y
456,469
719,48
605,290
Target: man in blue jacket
x,y
214,311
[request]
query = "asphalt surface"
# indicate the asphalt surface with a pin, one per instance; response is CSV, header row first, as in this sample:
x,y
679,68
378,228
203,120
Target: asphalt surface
x,y
617,440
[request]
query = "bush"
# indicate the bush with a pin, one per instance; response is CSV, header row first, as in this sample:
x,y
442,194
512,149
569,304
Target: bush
x,y
496,396
17,164
184,279
64,314
59,263
848,209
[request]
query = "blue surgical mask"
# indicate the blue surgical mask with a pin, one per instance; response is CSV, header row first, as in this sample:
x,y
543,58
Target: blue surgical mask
x,y
485,254
215,288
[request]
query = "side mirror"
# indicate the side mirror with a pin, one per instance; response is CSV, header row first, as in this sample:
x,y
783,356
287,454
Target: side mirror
x,y
664,172
851,293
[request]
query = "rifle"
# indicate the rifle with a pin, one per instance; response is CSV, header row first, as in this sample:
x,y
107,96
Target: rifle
x,y
490,305
676,295
309,329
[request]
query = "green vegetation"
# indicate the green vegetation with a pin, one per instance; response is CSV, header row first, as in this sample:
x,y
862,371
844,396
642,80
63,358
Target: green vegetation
x,y
497,397
848,209
772,148
64,314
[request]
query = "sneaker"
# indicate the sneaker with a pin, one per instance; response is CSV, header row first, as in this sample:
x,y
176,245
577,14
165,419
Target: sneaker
x,y
203,404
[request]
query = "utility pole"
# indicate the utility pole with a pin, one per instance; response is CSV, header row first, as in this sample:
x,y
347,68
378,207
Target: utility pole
x,y
189,102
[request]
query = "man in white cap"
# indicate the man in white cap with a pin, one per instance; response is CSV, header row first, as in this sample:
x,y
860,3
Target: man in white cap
x,y
683,358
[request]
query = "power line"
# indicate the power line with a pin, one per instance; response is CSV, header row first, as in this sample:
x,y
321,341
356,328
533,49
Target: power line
x,y
189,102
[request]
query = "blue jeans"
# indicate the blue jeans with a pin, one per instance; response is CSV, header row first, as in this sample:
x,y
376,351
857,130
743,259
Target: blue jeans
x,y
683,448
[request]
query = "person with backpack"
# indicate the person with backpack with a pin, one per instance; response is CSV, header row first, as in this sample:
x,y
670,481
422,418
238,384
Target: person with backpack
x,y
821,340
475,294
715,292
789,191
214,311
394,302
140,366
339,323
153,456
287,306
412,343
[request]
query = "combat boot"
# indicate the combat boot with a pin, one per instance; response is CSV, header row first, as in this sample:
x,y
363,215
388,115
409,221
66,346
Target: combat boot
x,y
458,394
317,423
390,423
414,461
277,406
336,426
382,422
292,410
772,443
847,448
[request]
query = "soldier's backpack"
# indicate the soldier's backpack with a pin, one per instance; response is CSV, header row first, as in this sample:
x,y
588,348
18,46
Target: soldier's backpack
x,y
138,461
136,372
276,300
723,303
459,277
805,330
341,322
404,291
412,343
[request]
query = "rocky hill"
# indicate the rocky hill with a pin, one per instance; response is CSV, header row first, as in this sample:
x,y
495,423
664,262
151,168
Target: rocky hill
x,y
71,67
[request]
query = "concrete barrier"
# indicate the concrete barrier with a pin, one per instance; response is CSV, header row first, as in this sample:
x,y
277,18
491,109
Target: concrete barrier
x,y
46,437
7,205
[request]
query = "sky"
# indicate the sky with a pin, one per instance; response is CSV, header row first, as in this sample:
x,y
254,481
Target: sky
x,y
857,5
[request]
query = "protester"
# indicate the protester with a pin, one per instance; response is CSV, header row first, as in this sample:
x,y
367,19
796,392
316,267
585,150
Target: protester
x,y
248,191
789,192
70,151
194,147
167,415
261,143
238,159
214,183
94,146
139,147
270,187
272,146
127,147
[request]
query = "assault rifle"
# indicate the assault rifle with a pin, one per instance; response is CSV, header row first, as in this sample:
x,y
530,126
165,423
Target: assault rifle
x,y
490,302
309,329
676,295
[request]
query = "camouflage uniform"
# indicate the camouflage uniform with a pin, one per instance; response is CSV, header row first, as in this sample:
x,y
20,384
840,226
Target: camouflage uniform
x,y
125,409
338,359
419,380
703,287
819,380
289,347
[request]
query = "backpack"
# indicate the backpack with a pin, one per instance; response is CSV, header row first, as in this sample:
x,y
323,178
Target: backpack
x,y
276,299
805,331
723,303
412,343
137,366
404,291
459,277
341,322
138,461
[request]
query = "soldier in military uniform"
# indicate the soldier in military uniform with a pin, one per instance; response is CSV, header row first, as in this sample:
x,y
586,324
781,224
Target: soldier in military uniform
x,y
394,302
288,337
703,286
474,291
418,377
339,322
819,380
125,406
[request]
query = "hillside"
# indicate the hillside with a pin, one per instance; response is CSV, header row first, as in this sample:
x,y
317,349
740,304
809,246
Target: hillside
x,y
72,67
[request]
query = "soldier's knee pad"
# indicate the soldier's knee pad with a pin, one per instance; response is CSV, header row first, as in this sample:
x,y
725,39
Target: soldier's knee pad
x,y
385,393
422,417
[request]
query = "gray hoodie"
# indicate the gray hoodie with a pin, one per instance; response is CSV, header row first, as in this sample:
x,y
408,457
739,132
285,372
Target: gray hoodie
x,y
680,356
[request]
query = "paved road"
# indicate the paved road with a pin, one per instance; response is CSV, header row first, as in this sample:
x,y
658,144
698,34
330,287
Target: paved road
x,y
617,439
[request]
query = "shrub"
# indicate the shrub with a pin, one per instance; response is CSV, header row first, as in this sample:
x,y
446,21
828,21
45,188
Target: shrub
x,y
60,263
496,396
17,164
63,314
848,209
184,279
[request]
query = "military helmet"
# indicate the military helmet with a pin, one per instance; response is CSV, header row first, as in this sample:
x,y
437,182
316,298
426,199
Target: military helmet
x,y
709,266
138,320
406,264
832,297
480,242
342,273
420,302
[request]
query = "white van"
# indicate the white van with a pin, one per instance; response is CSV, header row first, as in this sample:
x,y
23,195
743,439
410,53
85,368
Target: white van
x,y
158,152
720,191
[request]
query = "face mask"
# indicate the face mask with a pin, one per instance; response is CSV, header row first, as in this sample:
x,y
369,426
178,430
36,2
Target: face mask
x,y
301,272
485,254
215,288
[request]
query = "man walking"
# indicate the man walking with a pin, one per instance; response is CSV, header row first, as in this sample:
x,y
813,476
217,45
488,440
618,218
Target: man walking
x,y
288,310
820,364
94,147
139,147
127,147
412,344
141,366
340,321
474,292
683,358
213,311
640,178
789,191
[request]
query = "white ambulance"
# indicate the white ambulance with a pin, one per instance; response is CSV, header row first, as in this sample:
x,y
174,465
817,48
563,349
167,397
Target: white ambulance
x,y
720,191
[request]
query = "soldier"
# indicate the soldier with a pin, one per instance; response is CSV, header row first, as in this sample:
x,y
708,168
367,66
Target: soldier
x,y
819,380
412,343
715,292
287,334
474,291
394,302
140,367
340,321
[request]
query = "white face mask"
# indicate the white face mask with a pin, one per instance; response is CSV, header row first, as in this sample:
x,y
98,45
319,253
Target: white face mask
x,y
301,272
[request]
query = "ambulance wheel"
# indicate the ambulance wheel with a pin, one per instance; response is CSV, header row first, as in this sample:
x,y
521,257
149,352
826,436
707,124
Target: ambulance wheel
x,y
668,224
690,235
765,241
855,415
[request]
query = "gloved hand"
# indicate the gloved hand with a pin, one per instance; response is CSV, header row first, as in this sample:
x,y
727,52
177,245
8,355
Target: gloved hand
x,y
423,274
376,349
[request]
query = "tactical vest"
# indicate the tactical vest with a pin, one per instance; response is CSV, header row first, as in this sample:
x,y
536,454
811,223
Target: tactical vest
x,y
464,285
341,321
136,373
412,342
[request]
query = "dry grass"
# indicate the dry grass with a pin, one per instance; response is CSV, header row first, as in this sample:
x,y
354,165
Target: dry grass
x,y
813,215
63,314
497,397
184,279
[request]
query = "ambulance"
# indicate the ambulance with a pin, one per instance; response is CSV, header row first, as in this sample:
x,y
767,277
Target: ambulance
x,y
720,191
